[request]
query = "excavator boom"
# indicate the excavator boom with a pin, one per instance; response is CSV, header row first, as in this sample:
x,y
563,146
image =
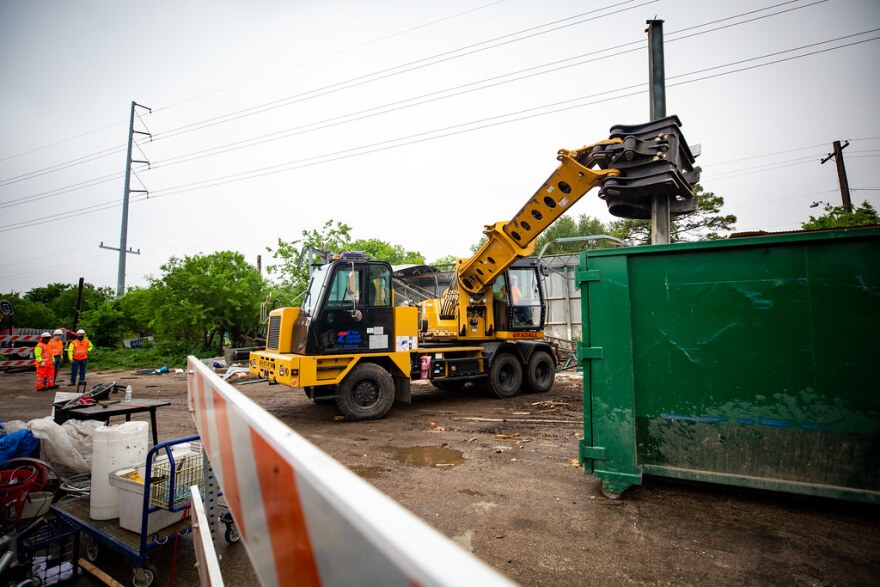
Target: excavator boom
x,y
515,239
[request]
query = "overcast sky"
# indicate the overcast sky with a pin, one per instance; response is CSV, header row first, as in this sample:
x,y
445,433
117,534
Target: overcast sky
x,y
413,122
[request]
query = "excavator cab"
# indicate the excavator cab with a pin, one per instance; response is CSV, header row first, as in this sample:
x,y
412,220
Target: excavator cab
x,y
346,308
518,299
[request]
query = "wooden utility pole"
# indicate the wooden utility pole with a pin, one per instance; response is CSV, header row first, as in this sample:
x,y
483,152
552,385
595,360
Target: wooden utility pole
x,y
837,155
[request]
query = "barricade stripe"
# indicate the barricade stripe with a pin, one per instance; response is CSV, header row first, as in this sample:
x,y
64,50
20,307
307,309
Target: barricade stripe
x,y
16,351
310,520
17,363
202,410
294,557
21,337
227,458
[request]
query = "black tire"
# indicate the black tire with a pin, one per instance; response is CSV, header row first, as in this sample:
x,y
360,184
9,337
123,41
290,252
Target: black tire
x,y
322,395
505,376
93,549
147,576
232,535
449,384
540,373
367,393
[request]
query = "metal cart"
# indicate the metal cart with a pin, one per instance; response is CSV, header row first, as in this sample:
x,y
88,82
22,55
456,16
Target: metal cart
x,y
165,487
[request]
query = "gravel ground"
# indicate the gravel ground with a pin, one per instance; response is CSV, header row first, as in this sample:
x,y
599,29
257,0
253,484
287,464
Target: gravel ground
x,y
512,494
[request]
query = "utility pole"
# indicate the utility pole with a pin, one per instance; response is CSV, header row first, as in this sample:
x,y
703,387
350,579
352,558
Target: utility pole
x,y
841,174
127,191
657,82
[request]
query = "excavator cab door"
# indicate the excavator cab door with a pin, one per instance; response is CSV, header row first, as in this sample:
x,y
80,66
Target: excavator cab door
x,y
518,300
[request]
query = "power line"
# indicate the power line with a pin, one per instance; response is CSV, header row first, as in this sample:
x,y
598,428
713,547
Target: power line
x,y
327,56
466,88
452,92
379,39
394,71
63,165
383,144
489,122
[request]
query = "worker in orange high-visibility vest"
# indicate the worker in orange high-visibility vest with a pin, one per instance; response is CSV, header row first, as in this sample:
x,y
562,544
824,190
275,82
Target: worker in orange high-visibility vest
x,y
45,364
78,353
57,349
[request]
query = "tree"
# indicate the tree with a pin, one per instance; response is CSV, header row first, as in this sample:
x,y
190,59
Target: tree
x,y
394,254
838,217
199,298
706,223
566,226
292,264
105,324
61,298
29,314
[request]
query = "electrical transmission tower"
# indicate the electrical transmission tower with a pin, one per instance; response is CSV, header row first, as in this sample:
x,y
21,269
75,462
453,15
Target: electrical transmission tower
x,y
127,191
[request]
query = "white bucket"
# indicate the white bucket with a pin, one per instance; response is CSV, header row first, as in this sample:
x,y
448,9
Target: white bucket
x,y
114,447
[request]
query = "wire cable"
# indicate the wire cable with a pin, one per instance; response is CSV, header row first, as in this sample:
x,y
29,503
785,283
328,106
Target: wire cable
x,y
458,129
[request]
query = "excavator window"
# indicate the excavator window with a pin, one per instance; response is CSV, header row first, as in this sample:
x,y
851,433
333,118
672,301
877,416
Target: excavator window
x,y
525,298
345,288
379,286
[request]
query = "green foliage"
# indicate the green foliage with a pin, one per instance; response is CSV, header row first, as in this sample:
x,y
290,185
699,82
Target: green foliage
x,y
394,254
706,223
199,297
292,265
29,313
138,309
838,217
447,260
105,325
61,299
566,226
171,354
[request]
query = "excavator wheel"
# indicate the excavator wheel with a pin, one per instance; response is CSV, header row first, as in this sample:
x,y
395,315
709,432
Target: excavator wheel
x,y
367,393
540,373
505,376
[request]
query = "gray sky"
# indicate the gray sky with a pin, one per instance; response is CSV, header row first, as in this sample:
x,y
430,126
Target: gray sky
x,y
413,122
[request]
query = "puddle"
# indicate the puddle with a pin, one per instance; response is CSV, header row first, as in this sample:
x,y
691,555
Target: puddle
x,y
426,456
368,472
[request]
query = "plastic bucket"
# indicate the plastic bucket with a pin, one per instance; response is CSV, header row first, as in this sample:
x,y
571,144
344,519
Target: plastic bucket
x,y
15,484
114,447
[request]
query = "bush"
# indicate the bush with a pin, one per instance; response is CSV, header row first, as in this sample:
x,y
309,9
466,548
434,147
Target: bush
x,y
173,355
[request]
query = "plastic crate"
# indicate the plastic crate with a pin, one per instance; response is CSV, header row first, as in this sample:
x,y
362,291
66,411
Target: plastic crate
x,y
169,489
52,552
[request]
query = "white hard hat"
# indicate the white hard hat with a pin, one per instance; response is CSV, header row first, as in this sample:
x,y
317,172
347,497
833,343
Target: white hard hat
x,y
45,334
57,331
78,332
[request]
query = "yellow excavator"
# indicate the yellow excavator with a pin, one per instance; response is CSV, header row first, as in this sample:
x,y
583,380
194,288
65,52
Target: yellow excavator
x,y
363,332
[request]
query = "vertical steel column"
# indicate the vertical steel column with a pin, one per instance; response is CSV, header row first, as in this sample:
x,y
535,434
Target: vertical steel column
x,y
211,507
123,237
657,82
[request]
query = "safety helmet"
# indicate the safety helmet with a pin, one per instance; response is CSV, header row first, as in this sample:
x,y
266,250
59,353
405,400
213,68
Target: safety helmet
x,y
46,334
78,332
57,331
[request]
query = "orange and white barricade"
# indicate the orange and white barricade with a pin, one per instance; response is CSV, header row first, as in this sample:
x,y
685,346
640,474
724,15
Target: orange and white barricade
x,y
304,518
16,356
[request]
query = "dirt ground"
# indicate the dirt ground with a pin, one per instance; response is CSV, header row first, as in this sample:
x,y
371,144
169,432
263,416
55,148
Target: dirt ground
x,y
521,504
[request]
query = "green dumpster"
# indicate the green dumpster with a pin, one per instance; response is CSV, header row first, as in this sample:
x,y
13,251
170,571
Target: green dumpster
x,y
751,362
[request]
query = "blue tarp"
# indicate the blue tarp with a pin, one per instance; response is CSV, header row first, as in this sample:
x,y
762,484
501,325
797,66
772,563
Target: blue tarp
x,y
18,444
